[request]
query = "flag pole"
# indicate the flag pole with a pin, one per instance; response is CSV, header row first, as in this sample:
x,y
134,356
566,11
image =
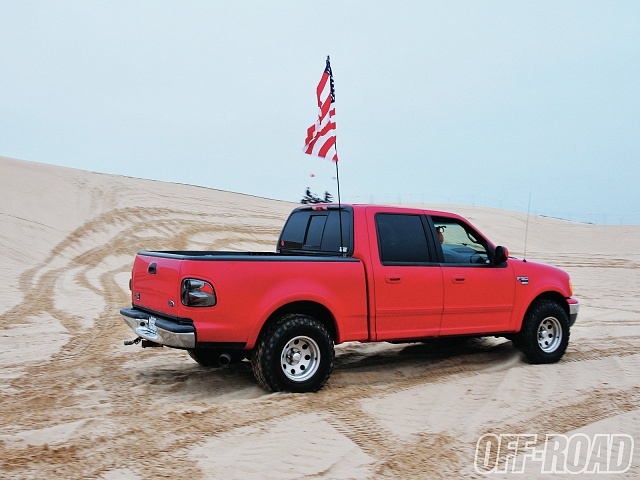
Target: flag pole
x,y
335,146
339,208
320,140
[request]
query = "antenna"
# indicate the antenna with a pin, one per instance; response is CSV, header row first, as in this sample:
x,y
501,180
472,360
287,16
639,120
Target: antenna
x,y
526,230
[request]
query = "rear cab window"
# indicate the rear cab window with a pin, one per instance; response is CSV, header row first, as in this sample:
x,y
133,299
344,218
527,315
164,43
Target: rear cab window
x,y
317,232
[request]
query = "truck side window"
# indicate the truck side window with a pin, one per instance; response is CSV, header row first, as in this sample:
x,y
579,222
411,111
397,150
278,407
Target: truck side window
x,y
460,244
401,239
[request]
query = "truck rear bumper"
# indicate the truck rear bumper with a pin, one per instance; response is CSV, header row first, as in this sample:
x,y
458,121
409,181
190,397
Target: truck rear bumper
x,y
159,330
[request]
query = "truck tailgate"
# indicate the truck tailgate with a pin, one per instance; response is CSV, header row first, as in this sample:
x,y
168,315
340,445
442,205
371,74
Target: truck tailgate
x,y
156,283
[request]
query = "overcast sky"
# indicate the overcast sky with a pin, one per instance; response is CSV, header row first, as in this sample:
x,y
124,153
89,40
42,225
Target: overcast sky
x,y
467,102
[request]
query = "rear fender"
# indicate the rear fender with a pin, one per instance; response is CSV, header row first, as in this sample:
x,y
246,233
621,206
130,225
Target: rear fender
x,y
315,306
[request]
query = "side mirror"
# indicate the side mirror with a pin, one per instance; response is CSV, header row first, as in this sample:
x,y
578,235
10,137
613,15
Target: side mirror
x,y
500,256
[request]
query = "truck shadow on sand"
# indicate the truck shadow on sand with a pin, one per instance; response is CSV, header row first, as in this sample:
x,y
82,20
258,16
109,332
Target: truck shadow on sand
x,y
423,362
355,365
432,349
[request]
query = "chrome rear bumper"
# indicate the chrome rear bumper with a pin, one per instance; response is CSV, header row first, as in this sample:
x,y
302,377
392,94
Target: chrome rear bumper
x,y
159,330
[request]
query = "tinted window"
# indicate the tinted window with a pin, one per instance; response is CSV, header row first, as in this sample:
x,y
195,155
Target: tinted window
x,y
401,239
331,237
316,231
294,231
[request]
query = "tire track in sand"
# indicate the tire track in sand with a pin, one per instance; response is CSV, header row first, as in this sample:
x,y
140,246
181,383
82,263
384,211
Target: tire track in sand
x,y
142,411
48,393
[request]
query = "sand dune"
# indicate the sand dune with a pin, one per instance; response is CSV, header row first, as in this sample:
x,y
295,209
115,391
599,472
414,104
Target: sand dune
x,y
76,403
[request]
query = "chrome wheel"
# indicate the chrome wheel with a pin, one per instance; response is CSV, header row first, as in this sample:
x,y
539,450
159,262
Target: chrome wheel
x,y
549,334
300,358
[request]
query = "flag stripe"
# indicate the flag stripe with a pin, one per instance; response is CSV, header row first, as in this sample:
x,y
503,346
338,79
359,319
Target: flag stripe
x,y
328,146
321,86
324,135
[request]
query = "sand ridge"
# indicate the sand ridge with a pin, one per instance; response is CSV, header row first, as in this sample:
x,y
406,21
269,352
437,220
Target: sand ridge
x,y
76,403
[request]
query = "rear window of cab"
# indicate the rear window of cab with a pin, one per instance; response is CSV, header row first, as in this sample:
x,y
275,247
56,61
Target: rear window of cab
x,y
317,231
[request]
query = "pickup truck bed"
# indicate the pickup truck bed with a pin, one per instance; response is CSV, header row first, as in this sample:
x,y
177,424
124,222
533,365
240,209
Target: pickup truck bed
x,y
250,287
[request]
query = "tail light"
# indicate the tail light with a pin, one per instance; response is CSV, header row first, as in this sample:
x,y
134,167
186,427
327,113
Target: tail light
x,y
197,293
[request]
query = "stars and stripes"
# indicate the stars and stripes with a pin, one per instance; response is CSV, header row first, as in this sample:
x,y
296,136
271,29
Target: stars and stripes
x,y
321,137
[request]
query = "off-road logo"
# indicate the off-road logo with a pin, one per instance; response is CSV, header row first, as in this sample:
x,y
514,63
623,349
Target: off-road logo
x,y
578,453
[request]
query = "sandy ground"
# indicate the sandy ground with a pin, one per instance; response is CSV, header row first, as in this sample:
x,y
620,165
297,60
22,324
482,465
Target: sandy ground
x,y
76,403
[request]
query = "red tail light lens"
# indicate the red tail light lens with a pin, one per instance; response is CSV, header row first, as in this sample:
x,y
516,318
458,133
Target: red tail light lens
x,y
197,293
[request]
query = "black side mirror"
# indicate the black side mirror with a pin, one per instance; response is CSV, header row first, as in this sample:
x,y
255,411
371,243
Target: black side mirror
x,y
500,256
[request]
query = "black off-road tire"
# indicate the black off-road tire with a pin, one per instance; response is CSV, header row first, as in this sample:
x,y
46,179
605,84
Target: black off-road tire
x,y
295,354
545,332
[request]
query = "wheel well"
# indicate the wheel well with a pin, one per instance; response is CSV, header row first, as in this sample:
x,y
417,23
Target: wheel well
x,y
554,297
312,309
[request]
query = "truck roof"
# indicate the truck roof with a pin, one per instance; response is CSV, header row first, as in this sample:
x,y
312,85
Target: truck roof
x,y
385,208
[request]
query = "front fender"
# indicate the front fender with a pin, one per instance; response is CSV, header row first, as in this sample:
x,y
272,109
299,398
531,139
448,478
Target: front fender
x,y
537,280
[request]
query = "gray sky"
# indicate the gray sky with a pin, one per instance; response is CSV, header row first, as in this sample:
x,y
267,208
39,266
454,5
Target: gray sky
x,y
474,102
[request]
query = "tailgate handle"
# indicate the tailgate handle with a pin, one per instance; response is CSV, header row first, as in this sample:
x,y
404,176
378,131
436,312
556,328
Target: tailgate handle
x,y
152,269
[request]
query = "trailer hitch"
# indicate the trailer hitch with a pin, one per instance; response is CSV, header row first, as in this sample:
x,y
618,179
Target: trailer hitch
x,y
133,342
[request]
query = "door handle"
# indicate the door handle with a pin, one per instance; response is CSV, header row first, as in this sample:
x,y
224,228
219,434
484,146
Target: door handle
x,y
458,278
393,278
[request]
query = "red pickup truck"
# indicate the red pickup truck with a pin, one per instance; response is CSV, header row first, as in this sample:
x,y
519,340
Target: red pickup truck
x,y
357,273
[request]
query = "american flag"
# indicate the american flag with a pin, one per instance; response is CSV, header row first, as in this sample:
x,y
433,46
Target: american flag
x,y
321,137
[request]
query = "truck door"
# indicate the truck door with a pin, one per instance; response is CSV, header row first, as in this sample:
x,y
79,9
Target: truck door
x,y
478,296
407,278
